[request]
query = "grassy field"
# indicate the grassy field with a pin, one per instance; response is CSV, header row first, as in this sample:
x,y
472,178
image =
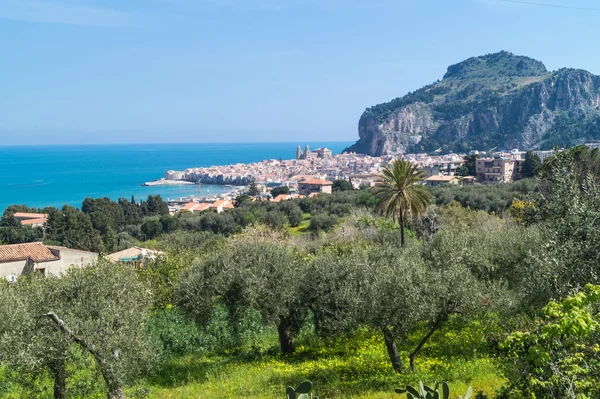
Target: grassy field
x,y
353,367
303,227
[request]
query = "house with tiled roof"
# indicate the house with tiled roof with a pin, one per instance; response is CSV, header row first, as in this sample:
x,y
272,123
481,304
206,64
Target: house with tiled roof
x,y
135,256
281,197
195,207
221,205
18,259
309,186
31,219
441,180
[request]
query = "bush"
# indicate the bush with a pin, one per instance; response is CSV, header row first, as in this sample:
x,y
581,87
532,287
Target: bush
x,y
322,222
558,356
151,229
177,333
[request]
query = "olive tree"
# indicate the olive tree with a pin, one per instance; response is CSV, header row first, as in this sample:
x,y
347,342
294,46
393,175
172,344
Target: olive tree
x,y
256,270
356,282
25,346
400,296
101,308
340,278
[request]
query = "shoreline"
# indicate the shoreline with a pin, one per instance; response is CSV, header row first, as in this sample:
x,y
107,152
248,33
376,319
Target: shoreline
x,y
165,182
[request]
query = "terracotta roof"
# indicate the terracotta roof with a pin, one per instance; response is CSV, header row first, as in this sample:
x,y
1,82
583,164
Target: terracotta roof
x,y
311,195
316,182
131,253
441,178
280,197
189,206
218,203
33,221
229,205
24,215
37,251
202,207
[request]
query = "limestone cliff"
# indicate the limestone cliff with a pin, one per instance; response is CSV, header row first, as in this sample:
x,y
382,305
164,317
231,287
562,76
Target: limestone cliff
x,y
498,101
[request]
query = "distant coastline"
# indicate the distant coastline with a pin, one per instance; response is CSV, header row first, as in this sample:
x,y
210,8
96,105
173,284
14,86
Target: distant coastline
x,y
57,175
165,182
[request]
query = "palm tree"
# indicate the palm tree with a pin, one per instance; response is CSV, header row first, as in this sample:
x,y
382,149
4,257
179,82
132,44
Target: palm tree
x,y
402,193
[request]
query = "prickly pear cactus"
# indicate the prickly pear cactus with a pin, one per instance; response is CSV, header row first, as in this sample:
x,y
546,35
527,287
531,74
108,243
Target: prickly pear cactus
x,y
425,392
302,391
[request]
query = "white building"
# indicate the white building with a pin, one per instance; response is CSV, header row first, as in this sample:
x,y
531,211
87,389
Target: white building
x,y
19,259
543,154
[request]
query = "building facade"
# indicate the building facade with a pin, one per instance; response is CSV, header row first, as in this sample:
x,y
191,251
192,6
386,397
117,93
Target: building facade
x,y
543,154
495,170
19,259
434,181
307,187
320,153
31,219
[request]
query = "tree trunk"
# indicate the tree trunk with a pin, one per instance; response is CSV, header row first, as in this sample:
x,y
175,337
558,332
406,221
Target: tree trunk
x,y
401,227
115,390
392,349
413,355
284,328
116,393
59,374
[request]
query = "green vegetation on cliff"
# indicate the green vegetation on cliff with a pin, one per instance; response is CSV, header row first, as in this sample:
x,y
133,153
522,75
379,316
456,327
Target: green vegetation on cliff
x,y
494,101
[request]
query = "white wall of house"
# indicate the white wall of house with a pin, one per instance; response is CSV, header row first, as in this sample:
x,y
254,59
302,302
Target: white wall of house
x,y
12,268
68,258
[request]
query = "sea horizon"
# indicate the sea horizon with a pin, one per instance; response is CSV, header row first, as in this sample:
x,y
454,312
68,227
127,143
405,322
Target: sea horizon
x,y
296,143
41,175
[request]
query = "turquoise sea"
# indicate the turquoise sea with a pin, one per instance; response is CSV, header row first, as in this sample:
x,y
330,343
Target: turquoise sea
x,y
41,176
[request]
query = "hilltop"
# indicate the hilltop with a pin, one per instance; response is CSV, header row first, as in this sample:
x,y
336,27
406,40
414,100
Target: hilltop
x,y
498,100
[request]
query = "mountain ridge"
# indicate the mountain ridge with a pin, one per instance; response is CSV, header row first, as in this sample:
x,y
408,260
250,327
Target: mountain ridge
x,y
498,100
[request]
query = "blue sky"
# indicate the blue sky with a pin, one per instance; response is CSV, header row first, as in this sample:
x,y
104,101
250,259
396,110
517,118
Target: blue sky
x,y
122,71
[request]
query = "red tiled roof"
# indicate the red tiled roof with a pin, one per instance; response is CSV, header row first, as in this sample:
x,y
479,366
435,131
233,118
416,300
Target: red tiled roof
x,y
218,203
280,197
189,206
25,215
202,207
316,182
37,251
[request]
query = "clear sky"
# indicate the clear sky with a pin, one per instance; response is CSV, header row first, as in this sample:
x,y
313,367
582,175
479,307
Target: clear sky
x,y
122,71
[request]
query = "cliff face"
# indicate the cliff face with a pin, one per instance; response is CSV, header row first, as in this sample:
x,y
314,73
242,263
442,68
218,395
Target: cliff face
x,y
498,101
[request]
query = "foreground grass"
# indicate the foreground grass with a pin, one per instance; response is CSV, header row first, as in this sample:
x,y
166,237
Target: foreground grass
x,y
353,367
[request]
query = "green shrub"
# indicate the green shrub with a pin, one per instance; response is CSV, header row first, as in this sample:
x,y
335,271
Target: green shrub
x,y
177,333
558,357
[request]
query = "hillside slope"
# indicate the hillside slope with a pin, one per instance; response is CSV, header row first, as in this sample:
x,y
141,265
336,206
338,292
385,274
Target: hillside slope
x,y
498,100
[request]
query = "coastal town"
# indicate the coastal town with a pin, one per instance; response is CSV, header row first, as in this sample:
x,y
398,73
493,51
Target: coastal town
x,y
320,167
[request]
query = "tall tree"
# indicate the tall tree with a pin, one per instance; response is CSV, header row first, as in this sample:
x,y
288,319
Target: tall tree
x,y
342,185
402,193
253,189
280,190
468,168
531,165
